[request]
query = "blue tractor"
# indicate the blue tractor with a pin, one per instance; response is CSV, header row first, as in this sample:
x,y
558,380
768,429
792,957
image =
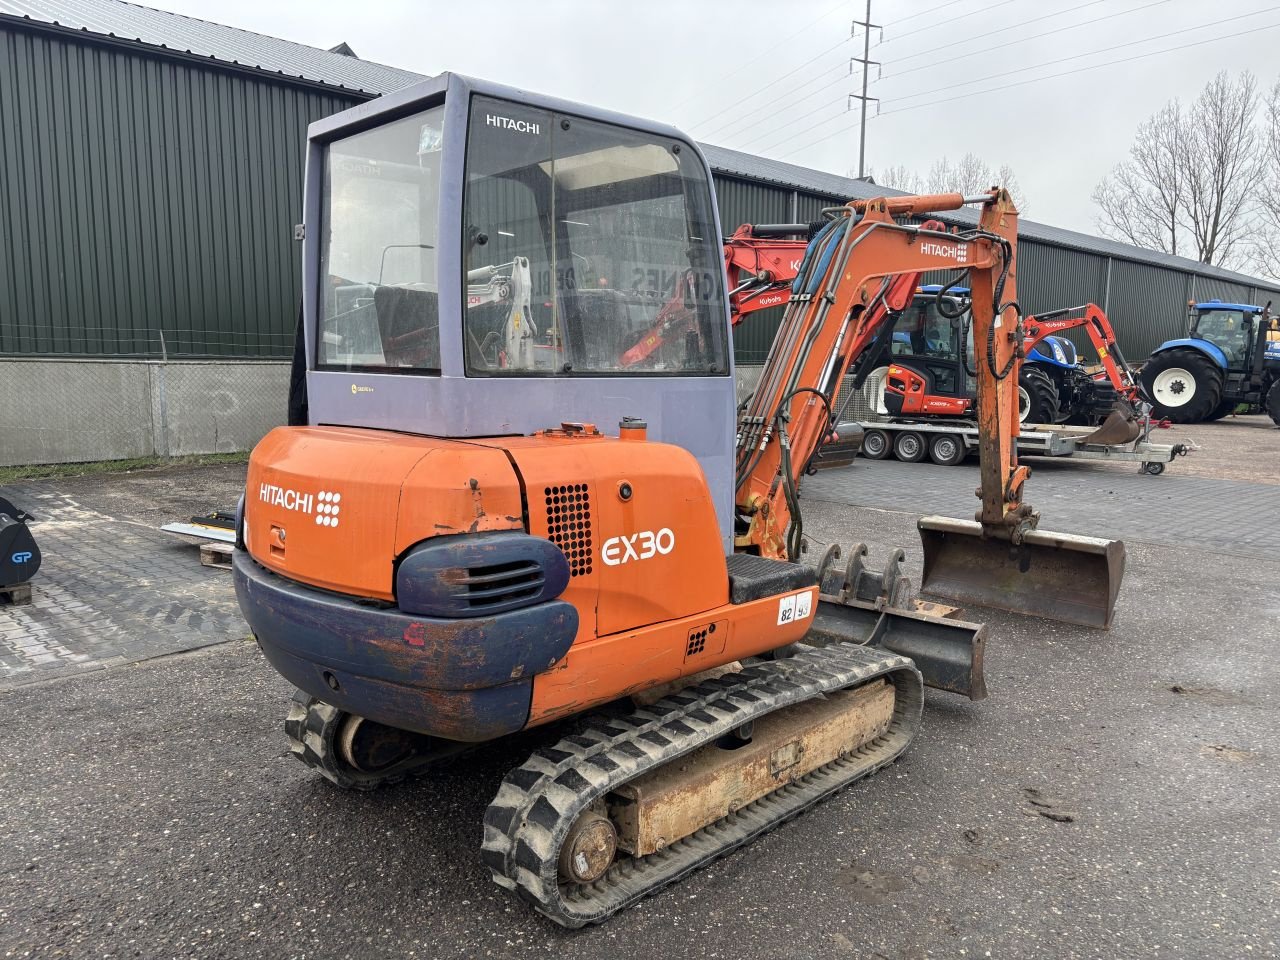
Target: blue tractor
x,y
1231,358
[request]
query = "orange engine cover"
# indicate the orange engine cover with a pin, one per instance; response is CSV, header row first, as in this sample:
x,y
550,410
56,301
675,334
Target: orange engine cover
x,y
635,520
334,507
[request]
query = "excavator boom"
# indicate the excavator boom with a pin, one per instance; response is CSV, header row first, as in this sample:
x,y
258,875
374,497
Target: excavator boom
x,y
858,272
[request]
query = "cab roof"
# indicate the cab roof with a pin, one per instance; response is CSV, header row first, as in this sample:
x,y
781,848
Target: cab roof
x,y
1219,305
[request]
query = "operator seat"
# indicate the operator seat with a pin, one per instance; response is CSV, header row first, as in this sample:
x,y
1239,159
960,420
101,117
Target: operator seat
x,y
598,328
409,324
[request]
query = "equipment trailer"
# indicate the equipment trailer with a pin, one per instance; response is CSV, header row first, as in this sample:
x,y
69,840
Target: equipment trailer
x,y
950,442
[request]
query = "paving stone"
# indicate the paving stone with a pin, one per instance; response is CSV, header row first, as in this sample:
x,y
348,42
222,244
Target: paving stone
x,y
108,592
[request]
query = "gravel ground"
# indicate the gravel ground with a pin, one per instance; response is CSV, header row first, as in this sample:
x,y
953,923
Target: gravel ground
x,y
153,810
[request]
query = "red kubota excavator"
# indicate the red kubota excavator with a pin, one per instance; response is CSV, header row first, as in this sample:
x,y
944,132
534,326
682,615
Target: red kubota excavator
x,y
447,551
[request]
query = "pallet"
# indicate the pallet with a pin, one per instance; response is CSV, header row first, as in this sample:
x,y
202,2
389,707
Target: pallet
x,y
17,594
216,554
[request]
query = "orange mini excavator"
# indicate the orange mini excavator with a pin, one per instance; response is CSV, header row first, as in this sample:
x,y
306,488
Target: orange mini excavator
x,y
447,549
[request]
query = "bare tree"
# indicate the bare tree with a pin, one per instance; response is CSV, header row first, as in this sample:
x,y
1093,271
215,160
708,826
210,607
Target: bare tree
x,y
1142,201
1191,180
970,175
1265,249
899,177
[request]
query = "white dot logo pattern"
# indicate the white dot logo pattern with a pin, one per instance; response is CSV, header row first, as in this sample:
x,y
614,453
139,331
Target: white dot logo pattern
x,y
327,511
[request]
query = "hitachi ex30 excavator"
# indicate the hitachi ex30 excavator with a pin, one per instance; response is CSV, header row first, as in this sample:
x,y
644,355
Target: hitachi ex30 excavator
x,y
490,521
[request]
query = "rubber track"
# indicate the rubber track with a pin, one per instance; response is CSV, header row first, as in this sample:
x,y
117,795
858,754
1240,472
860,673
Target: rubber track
x,y
539,801
312,727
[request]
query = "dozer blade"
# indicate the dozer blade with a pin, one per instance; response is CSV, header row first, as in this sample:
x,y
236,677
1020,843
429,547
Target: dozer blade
x,y
948,653
1059,576
1120,427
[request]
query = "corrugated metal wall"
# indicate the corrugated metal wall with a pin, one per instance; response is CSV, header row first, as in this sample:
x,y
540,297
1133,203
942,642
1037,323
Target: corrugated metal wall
x,y
143,194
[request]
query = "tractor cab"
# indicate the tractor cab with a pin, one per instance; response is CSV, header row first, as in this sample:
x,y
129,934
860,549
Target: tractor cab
x,y
1228,326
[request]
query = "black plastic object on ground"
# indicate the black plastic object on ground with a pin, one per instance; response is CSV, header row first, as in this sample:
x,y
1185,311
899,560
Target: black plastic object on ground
x,y
19,555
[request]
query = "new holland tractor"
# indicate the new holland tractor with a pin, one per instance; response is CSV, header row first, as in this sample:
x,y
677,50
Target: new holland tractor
x,y
1230,358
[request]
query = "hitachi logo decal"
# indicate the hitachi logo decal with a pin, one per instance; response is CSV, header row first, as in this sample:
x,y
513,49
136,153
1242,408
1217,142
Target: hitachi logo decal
x,y
506,123
638,546
275,496
325,504
956,251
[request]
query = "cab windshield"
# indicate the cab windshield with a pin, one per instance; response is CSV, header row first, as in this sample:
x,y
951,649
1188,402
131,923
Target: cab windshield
x,y
587,249
922,331
1227,330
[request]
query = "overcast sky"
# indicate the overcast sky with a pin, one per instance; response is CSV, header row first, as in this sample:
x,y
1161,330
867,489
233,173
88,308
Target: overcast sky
x,y
774,77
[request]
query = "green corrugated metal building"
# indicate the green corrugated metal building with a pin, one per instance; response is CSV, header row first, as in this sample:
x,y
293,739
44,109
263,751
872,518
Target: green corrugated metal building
x,y
151,172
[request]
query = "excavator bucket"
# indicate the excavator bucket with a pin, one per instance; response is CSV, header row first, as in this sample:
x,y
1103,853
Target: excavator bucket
x,y
1058,576
1121,426
948,653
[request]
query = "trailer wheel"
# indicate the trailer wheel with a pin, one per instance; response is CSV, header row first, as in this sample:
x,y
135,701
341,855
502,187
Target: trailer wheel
x,y
1153,469
946,449
909,447
1038,400
875,444
1184,385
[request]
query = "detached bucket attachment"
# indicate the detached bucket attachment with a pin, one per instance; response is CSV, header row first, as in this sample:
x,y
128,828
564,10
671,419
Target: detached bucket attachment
x,y
1121,426
1059,576
948,653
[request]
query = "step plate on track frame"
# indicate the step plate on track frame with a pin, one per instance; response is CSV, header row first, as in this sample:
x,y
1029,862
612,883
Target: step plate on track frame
x,y
1058,576
538,802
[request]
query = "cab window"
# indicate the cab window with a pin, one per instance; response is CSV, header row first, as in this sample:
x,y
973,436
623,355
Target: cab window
x,y
379,296
589,249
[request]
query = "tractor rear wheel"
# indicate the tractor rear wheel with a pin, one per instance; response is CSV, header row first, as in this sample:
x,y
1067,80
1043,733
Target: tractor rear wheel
x,y
1184,385
1037,397
1225,407
1273,403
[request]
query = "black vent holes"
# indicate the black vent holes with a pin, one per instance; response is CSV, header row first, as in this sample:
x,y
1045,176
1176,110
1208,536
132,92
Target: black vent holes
x,y
569,524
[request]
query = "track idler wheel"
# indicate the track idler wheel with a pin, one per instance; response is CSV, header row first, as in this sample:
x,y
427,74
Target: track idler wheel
x,y
589,849
354,753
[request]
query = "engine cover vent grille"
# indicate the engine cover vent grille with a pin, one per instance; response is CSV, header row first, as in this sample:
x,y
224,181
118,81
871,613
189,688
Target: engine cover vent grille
x,y
569,524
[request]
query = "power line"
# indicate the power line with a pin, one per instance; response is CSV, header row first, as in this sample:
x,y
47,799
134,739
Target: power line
x,y
770,85
912,16
1092,53
812,143
773,45
943,23
1067,73
774,128
770,146
1012,26
754,115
